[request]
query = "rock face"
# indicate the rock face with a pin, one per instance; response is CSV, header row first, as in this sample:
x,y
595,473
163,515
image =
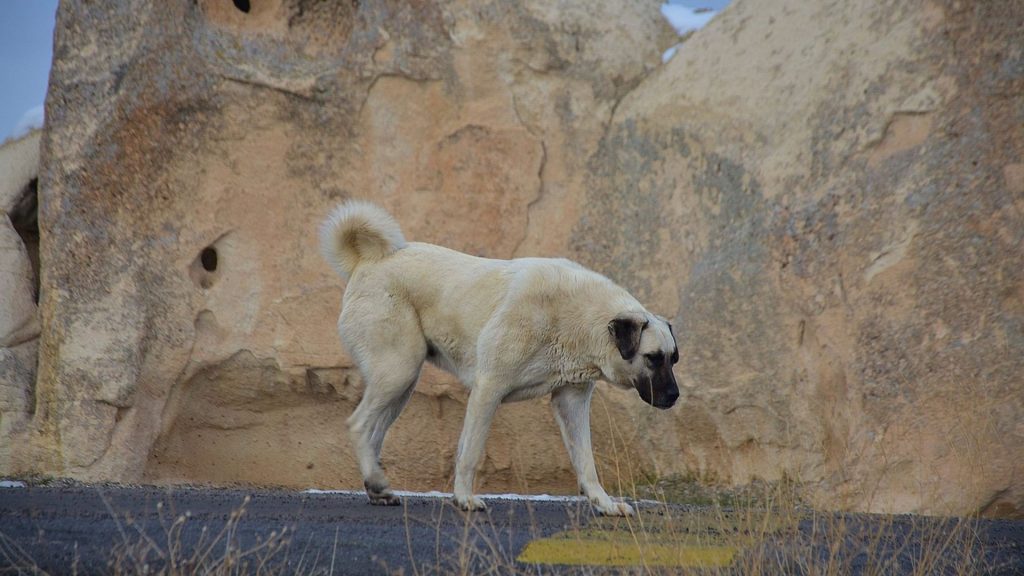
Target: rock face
x,y
19,289
833,220
193,148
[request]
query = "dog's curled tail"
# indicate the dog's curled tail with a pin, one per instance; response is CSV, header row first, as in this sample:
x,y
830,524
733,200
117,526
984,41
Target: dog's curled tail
x,y
358,232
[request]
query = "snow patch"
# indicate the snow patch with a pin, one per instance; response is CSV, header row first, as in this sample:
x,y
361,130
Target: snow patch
x,y
11,484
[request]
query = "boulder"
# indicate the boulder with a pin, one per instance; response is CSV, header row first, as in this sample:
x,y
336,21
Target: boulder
x,y
192,150
827,198
19,265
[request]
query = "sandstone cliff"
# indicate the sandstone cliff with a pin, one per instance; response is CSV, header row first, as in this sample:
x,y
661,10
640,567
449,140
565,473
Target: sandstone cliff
x,y
826,197
19,287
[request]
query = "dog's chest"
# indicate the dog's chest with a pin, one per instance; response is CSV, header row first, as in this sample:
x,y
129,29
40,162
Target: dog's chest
x,y
533,391
542,379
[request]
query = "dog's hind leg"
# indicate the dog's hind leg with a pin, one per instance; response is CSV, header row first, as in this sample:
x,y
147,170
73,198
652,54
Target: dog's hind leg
x,y
387,391
390,367
571,405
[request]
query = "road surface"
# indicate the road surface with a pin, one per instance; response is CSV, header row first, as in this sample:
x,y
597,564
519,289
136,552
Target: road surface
x,y
112,529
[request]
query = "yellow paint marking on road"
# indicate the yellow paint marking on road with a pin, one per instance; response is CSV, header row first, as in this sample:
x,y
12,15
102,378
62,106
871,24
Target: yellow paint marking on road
x,y
608,550
709,539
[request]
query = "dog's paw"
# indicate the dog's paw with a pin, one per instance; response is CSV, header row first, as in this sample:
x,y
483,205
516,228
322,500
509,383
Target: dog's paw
x,y
384,499
380,495
470,503
387,499
613,508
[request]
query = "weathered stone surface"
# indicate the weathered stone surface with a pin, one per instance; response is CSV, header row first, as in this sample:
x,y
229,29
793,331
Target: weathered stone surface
x,y
19,316
832,219
834,222
19,165
192,149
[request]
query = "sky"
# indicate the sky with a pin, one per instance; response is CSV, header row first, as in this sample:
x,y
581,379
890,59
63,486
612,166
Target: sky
x,y
696,4
26,48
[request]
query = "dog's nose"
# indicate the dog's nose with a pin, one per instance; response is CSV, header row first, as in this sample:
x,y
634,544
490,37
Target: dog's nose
x,y
670,397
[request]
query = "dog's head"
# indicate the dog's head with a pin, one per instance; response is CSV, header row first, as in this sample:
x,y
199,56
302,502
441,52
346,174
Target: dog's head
x,y
644,351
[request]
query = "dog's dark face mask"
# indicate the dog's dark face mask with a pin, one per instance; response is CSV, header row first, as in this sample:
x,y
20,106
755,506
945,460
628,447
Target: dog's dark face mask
x,y
649,347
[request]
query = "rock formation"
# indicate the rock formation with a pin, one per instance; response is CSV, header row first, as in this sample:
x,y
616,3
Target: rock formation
x,y
192,149
826,199
19,287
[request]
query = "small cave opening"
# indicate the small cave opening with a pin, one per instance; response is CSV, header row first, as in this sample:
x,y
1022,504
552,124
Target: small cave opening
x,y
205,268
24,216
208,258
242,5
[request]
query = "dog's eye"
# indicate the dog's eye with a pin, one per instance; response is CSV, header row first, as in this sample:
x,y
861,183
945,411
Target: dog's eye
x,y
656,359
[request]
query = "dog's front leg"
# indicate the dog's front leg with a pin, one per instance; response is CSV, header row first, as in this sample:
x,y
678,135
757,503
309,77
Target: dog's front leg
x,y
483,402
572,411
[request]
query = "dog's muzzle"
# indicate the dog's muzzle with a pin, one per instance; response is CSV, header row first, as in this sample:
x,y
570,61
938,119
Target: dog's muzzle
x,y
658,389
668,400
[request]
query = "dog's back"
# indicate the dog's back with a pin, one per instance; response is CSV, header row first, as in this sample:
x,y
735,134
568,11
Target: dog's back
x,y
438,296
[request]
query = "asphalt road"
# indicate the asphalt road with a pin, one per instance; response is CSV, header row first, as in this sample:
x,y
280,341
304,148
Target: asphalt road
x,y
102,530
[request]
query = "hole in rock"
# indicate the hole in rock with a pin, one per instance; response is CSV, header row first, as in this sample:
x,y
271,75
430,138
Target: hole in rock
x,y
205,267
242,5
25,220
208,257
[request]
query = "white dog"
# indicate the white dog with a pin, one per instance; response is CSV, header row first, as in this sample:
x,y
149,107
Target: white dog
x,y
508,329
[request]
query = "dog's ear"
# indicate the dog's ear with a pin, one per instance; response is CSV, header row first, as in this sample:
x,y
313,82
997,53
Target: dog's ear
x,y
675,343
625,330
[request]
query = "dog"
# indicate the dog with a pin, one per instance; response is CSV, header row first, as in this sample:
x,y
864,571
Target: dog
x,y
510,330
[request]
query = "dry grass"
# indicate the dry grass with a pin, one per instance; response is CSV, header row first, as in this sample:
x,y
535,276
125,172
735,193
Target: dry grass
x,y
770,529
218,553
769,525
19,561
182,548
684,527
